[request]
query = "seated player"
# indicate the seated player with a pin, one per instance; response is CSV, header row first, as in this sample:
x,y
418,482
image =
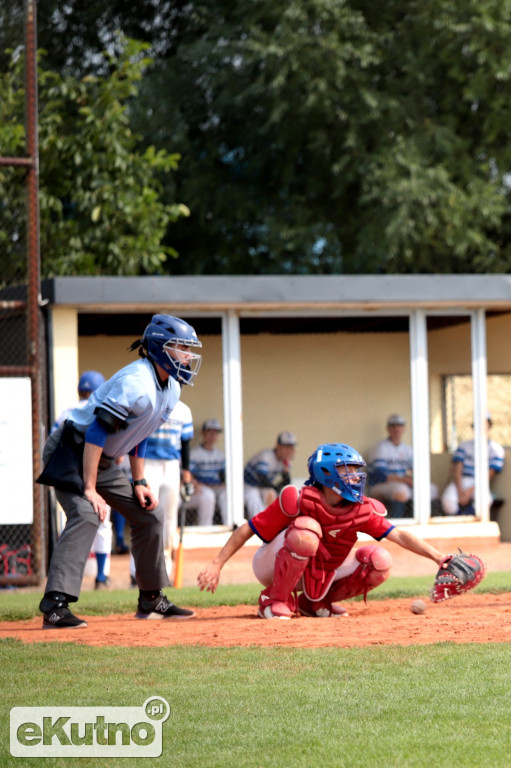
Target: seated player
x,y
309,539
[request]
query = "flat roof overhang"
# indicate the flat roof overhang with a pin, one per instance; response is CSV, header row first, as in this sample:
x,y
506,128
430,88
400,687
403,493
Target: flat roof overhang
x,y
293,293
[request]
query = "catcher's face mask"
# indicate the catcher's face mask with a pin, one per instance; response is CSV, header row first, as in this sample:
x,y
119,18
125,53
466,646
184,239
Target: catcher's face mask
x,y
352,482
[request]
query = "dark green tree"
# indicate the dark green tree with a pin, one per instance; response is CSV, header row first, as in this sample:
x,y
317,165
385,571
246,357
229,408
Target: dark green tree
x,y
351,136
317,136
101,196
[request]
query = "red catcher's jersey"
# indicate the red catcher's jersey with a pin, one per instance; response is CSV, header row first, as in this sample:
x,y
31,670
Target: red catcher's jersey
x,y
340,525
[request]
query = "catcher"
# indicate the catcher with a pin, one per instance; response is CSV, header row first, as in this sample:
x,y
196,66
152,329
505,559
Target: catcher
x,y
307,563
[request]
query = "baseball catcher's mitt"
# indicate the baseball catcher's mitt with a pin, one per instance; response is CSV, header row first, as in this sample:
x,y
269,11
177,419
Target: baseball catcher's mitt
x,y
457,574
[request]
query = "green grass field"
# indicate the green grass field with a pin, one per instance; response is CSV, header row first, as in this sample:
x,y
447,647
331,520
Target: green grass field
x,y
380,707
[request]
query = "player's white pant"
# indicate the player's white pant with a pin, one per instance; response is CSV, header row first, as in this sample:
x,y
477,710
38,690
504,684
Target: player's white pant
x,y
221,500
102,543
263,563
450,498
256,499
202,502
164,477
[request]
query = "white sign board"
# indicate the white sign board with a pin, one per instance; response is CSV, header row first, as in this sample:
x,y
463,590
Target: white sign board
x,y
16,478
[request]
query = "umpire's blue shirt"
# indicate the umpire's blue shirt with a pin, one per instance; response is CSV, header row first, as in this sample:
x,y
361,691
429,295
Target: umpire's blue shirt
x,y
136,397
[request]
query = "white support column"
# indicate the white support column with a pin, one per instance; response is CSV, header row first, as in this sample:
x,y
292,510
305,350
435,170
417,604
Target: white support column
x,y
420,416
231,365
479,371
65,358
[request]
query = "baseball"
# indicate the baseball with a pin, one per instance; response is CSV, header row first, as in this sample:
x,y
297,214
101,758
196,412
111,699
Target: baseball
x,y
418,606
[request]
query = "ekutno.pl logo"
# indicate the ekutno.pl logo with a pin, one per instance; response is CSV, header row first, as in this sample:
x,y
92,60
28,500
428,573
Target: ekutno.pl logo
x,y
89,731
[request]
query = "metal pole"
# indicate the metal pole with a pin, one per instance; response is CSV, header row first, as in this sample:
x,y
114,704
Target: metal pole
x,y
33,259
233,431
420,416
479,372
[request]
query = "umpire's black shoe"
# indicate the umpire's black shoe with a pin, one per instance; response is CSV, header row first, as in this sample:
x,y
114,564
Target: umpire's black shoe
x,y
58,616
161,608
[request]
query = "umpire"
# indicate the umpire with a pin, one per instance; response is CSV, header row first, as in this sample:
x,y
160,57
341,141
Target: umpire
x,y
79,461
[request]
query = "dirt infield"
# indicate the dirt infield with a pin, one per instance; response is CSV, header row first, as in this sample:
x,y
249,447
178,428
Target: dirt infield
x,y
468,618
477,618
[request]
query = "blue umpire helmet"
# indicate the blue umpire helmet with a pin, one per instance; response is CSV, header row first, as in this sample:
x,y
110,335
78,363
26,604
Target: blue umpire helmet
x,y
90,381
162,342
324,466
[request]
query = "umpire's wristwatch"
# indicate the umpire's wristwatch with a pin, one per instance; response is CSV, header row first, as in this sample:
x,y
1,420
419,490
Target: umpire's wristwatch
x,y
140,482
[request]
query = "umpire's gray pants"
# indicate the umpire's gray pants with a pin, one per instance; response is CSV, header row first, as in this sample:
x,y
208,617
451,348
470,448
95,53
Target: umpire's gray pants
x,y
73,547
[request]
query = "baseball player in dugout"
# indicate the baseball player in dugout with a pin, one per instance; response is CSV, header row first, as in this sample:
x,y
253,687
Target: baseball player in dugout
x,y
391,469
308,562
207,465
267,473
79,461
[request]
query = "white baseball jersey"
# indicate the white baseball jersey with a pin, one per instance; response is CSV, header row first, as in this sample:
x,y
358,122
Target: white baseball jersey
x,y
464,454
388,459
165,442
207,465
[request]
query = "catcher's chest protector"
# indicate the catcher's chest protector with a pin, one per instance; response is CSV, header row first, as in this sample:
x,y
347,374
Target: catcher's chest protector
x,y
339,536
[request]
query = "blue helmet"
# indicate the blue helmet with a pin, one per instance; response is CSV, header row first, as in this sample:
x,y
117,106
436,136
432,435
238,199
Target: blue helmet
x,y
161,339
324,465
90,380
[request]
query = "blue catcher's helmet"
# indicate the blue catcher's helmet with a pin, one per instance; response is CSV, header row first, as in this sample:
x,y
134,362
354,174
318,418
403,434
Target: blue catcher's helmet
x,y
90,381
161,340
324,466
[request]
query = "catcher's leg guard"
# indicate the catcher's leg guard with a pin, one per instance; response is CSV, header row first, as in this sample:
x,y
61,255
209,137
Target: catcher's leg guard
x,y
301,542
374,569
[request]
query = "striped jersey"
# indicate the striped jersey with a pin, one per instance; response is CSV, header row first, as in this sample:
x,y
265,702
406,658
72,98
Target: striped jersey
x,y
207,465
464,454
388,459
262,469
165,442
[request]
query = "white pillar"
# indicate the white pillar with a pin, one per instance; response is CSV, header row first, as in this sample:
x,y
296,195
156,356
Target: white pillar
x,y
65,358
420,416
479,371
231,365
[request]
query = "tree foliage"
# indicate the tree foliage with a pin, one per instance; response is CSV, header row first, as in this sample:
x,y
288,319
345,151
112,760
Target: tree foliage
x,y
339,136
319,136
101,206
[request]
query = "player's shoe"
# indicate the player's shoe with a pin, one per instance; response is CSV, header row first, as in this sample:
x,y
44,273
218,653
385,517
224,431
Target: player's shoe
x,y
58,616
323,609
106,584
161,608
269,608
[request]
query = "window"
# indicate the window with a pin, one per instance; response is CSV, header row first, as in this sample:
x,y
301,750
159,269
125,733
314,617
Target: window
x,y
458,408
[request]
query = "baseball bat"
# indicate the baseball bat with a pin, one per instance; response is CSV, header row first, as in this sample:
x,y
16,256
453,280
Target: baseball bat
x,y
178,578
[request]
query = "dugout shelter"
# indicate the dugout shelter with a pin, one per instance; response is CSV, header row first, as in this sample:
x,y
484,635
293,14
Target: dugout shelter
x,y
326,357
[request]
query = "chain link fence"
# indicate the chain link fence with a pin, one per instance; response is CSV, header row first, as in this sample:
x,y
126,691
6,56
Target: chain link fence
x,y
23,527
